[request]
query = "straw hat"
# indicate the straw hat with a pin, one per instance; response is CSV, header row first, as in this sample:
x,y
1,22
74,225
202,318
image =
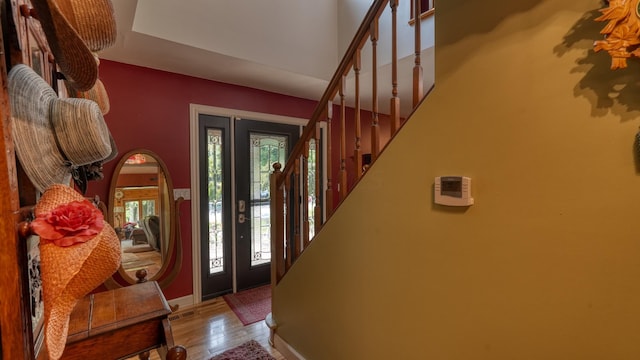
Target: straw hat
x,y
92,171
75,29
53,136
97,93
70,270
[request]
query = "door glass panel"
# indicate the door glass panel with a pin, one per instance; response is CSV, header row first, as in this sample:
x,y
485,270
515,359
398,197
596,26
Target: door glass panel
x,y
148,208
132,211
265,150
214,189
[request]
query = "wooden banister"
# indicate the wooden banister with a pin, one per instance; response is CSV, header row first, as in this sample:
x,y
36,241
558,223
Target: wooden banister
x,y
291,209
343,68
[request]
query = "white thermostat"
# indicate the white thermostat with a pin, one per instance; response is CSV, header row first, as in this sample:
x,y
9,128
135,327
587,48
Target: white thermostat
x,y
453,191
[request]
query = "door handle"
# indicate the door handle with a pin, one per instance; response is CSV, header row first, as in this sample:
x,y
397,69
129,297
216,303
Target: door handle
x,y
241,218
241,206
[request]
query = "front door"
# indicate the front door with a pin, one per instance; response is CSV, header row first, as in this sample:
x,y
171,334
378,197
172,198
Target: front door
x,y
236,158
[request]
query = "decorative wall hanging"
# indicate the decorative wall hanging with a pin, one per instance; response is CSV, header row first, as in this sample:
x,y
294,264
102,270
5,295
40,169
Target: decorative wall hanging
x,y
622,32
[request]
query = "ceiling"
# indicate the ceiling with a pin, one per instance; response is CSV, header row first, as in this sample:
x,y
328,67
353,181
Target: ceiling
x,y
260,51
142,49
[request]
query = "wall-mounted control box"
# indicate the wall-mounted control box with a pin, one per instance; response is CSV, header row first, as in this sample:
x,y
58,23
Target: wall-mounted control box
x,y
453,191
184,193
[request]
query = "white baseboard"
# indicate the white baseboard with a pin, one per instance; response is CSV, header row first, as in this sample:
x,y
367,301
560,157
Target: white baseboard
x,y
181,302
285,349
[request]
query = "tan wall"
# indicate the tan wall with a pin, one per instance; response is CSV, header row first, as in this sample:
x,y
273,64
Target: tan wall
x,y
546,264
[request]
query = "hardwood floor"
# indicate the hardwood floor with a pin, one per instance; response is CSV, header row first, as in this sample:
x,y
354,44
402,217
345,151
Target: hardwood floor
x,y
211,328
148,260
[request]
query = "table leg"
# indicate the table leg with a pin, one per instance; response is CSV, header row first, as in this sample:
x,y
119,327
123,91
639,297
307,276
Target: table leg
x,y
177,352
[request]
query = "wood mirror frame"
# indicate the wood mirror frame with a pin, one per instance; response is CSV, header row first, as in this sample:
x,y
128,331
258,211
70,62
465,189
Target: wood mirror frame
x,y
169,213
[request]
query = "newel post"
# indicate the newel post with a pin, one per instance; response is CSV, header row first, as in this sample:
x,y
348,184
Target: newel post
x,y
277,225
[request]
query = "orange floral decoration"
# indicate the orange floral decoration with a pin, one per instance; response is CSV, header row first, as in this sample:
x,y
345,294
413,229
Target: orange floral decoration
x,y
622,32
69,224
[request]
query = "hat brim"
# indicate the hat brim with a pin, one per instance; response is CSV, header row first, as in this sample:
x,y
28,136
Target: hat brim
x,y
94,20
32,131
114,150
76,61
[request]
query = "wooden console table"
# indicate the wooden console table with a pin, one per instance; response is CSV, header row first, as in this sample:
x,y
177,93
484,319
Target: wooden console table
x,y
122,323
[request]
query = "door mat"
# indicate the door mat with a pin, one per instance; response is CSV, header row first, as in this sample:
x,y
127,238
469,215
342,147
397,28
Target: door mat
x,y
251,350
250,305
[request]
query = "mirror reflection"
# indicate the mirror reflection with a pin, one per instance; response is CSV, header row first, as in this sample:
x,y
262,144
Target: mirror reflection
x,y
141,204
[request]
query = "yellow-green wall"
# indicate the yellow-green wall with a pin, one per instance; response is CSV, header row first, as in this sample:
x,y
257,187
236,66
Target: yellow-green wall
x,y
546,264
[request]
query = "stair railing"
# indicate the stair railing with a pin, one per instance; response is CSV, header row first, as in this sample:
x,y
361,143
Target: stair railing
x,y
292,219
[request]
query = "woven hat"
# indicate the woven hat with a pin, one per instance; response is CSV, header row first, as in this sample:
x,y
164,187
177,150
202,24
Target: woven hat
x,y
92,171
53,136
70,268
97,93
75,29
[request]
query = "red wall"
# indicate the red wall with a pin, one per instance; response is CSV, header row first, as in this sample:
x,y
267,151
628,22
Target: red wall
x,y
150,109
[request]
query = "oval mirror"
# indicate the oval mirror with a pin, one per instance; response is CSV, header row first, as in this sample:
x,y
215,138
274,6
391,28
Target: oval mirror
x,y
142,212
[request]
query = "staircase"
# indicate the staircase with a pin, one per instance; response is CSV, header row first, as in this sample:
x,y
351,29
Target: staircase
x,y
347,104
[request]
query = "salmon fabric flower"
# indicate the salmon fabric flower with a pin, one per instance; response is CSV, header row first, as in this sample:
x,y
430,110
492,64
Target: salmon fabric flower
x,y
69,224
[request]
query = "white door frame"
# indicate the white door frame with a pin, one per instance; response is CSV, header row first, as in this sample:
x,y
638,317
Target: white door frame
x,y
195,111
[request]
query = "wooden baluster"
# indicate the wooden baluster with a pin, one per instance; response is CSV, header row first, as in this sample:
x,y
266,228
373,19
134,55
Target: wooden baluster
x,y
417,69
317,210
296,210
296,219
357,152
288,228
395,100
304,203
329,203
375,128
343,140
277,225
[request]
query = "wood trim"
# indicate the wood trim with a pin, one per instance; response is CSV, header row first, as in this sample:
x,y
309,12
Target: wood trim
x,y
423,16
15,318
